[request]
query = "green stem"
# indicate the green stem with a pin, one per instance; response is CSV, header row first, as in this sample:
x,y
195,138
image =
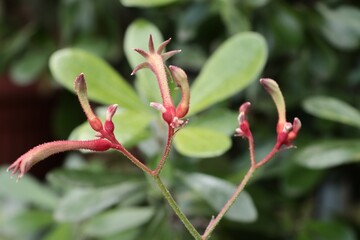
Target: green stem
x,y
176,208
229,203
132,158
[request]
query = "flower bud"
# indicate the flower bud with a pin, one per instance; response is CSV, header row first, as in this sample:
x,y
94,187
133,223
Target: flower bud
x,y
81,91
244,128
109,125
39,153
273,89
181,80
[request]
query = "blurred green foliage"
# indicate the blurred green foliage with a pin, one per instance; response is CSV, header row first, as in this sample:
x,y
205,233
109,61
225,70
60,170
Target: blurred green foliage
x,y
306,193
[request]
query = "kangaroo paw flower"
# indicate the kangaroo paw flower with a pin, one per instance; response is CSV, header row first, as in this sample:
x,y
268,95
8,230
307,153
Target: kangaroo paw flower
x,y
81,91
39,153
155,62
244,128
286,131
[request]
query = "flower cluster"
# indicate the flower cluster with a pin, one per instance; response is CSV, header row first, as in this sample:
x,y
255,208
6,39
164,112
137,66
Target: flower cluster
x,y
105,138
155,62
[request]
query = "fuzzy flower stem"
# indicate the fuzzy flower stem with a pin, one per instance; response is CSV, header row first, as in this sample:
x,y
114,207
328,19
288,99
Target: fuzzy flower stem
x,y
176,208
165,155
214,222
132,158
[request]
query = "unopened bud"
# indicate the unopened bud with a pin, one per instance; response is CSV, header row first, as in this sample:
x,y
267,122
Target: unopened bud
x,y
81,91
39,153
181,80
273,89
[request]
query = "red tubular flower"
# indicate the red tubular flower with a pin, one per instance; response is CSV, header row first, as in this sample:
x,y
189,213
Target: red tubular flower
x,y
286,131
244,128
39,153
81,91
104,142
155,62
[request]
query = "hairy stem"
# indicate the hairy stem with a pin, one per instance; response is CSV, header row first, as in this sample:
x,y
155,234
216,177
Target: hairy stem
x,y
161,164
214,222
176,208
132,158
269,156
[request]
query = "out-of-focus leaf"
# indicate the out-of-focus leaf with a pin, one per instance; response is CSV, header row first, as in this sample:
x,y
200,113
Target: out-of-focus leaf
x,y
160,226
201,142
146,3
137,36
129,127
323,61
329,154
255,3
326,230
341,26
25,70
233,66
80,204
26,224
235,20
297,180
84,178
287,29
27,190
216,192
131,234
105,85
117,220
60,231
221,120
332,109
16,43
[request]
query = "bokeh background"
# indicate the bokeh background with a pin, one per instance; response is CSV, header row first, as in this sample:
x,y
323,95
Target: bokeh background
x,y
311,192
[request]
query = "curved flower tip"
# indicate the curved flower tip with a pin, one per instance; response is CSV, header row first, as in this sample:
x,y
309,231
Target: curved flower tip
x,y
288,133
109,125
181,80
81,91
244,128
273,89
41,152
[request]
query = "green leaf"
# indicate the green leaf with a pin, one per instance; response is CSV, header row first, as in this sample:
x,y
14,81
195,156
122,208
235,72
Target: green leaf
x,y
233,66
132,234
117,220
332,109
298,180
80,204
130,127
105,85
201,142
219,119
60,231
329,154
327,230
26,223
341,26
146,3
84,178
137,36
216,192
26,69
27,190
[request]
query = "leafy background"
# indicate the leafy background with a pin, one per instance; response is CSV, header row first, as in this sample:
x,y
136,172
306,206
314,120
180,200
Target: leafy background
x,y
310,47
